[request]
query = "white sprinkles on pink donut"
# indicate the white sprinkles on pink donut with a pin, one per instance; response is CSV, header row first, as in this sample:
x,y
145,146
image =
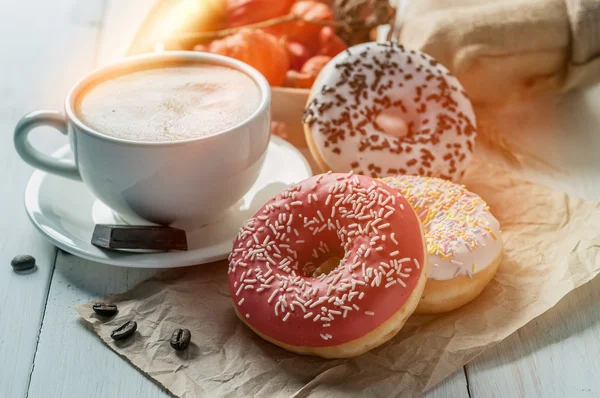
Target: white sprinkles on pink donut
x,y
431,111
272,270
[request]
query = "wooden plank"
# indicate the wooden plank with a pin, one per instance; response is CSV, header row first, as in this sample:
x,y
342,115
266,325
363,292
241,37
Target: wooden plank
x,y
71,361
46,46
454,386
557,353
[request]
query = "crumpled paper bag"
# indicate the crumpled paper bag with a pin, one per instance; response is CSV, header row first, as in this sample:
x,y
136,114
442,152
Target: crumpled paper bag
x,y
552,246
507,50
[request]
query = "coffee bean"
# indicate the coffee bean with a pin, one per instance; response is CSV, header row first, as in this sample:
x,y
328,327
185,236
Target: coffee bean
x,y
124,331
180,339
23,262
105,309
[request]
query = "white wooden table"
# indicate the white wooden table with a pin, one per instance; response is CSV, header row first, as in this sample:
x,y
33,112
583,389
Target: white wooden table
x,y
46,352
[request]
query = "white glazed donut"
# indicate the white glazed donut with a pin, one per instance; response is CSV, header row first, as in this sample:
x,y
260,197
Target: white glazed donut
x,y
380,109
463,240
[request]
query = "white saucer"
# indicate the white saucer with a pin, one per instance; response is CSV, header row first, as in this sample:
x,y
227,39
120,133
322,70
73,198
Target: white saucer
x,y
66,212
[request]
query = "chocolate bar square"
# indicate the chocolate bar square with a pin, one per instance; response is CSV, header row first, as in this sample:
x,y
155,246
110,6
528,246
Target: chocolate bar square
x,y
140,237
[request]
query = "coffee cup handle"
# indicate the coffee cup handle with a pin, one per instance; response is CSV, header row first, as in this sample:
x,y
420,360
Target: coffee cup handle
x,y
61,167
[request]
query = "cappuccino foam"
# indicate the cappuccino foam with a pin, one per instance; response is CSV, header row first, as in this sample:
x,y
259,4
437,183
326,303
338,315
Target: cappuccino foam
x,y
170,103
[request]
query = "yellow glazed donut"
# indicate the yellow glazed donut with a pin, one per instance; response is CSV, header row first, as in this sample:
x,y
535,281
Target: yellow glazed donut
x,y
463,240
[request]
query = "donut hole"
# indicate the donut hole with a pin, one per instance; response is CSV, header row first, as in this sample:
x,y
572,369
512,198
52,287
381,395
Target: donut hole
x,y
321,255
327,265
391,121
321,265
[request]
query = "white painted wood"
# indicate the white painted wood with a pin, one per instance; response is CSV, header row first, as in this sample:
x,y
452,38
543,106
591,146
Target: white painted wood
x,y
454,386
529,363
71,360
557,354
46,45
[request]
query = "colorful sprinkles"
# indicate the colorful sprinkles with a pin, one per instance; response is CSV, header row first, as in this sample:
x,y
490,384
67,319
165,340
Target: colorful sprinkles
x,y
453,218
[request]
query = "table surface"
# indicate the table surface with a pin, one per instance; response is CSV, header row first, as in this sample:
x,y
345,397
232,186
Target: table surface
x,y
45,351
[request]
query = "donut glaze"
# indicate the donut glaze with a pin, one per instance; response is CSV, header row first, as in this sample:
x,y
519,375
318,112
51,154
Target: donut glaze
x,y
273,266
462,236
380,109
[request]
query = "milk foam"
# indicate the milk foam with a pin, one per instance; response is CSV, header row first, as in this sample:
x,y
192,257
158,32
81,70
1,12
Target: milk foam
x,y
170,103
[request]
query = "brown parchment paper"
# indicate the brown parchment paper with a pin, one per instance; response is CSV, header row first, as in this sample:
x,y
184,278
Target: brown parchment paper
x,y
552,246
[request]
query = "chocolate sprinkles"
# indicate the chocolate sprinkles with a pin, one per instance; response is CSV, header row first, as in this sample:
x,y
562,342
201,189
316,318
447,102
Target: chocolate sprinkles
x,y
363,83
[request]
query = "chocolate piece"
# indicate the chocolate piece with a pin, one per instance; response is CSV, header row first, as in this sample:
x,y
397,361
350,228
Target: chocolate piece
x,y
140,237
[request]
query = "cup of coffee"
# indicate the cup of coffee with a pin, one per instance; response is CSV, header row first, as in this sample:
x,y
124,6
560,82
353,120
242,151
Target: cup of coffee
x,y
166,137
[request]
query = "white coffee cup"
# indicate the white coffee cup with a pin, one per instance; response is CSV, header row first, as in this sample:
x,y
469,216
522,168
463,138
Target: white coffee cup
x,y
161,182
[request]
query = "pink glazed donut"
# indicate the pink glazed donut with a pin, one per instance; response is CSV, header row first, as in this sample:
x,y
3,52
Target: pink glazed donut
x,y
333,266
